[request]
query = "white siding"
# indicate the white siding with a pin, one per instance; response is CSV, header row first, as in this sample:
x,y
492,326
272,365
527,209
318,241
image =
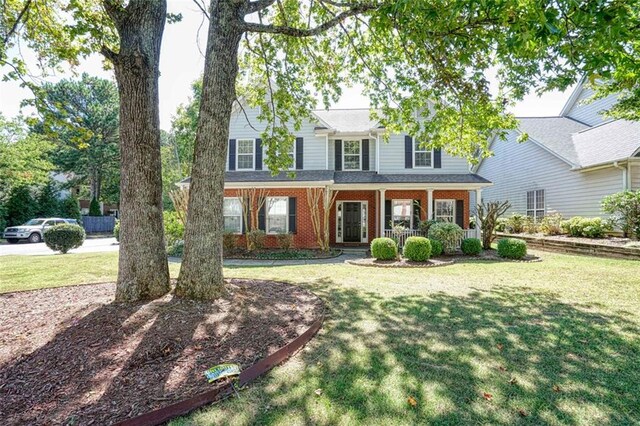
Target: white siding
x,y
590,113
314,146
392,160
635,176
517,168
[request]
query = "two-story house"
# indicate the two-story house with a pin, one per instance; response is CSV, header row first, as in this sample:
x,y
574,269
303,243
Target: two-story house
x,y
379,184
569,163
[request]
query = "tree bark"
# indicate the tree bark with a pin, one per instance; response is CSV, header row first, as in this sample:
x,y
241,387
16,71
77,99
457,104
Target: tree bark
x,y
143,270
201,272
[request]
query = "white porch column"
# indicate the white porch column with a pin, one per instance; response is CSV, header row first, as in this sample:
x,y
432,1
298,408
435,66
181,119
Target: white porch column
x,y
429,204
381,212
478,201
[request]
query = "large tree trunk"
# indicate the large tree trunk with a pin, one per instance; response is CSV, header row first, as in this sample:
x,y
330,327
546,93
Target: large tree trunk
x,y
201,272
143,271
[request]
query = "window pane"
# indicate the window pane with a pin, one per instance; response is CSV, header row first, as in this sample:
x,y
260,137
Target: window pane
x,y
232,224
245,161
402,213
277,224
444,211
277,215
245,146
540,199
530,200
232,207
351,162
352,147
423,159
277,206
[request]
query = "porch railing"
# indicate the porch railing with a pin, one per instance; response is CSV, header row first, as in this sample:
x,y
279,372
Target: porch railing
x,y
401,237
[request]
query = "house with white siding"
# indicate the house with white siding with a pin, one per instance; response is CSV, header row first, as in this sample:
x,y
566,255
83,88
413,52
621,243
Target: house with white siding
x,y
379,184
569,162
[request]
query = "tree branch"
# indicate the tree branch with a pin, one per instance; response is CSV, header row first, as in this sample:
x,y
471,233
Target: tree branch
x,y
202,8
109,54
357,9
114,10
14,27
258,5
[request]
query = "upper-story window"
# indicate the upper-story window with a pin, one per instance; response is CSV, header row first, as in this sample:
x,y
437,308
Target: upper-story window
x,y
422,157
245,154
292,155
535,204
352,155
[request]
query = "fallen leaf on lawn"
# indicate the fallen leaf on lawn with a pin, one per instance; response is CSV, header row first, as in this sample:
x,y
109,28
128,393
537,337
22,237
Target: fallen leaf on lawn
x,y
502,368
522,413
318,392
197,347
513,381
556,388
500,346
412,401
487,396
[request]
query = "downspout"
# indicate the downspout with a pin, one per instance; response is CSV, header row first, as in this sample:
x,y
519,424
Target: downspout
x,y
624,174
377,152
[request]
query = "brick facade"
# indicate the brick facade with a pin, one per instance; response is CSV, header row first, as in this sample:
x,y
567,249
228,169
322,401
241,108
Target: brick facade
x,y
304,236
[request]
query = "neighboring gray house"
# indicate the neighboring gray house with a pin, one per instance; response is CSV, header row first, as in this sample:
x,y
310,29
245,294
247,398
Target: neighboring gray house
x,y
568,164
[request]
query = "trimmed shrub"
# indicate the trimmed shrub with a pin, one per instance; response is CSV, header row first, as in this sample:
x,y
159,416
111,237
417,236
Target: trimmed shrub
x,y
436,247
285,240
64,237
116,231
176,249
471,246
515,224
384,249
449,234
586,227
551,224
229,242
94,208
512,248
417,249
173,227
256,239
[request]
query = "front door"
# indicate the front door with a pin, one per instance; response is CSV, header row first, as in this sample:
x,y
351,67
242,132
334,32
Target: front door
x,y
352,223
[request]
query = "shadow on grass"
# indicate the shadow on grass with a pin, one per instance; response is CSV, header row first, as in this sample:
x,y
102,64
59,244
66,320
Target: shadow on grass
x,y
511,355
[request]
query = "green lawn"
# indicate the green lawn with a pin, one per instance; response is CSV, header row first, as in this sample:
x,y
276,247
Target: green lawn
x,y
556,342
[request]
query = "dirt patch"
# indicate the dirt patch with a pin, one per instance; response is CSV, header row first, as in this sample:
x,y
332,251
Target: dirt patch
x,y
402,263
492,256
606,241
69,356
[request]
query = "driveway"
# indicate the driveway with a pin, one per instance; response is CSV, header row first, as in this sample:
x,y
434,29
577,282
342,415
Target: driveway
x,y
90,245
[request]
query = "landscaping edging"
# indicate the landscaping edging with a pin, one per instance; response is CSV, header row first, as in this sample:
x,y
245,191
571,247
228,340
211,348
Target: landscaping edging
x,y
574,247
373,263
247,375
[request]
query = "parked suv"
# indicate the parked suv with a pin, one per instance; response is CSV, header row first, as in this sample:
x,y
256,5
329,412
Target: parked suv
x,y
33,230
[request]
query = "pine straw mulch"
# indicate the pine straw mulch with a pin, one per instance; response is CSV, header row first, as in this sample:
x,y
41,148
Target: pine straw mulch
x,y
70,356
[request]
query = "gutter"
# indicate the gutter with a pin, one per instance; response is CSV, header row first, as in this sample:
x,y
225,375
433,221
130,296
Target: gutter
x,y
624,175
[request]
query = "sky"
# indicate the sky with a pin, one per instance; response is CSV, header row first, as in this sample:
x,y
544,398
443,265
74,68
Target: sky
x,y
182,61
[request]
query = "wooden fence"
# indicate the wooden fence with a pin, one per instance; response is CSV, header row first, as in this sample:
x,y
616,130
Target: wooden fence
x,y
98,224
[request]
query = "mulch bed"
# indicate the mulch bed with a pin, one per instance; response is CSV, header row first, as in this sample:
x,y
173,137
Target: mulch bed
x,y
70,356
279,254
402,263
606,241
492,256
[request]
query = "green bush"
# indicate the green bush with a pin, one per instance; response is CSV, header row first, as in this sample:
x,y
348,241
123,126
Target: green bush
x,y
424,225
173,227
70,209
20,206
586,227
417,249
256,239
471,246
551,224
515,223
285,240
384,249
512,248
116,231
530,226
176,249
229,242
436,247
501,224
625,210
64,237
449,234
94,208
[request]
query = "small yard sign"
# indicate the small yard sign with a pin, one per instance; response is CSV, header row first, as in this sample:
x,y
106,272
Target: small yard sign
x,y
221,371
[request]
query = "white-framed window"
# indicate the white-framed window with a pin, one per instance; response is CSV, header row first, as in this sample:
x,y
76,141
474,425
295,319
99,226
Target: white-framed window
x,y
245,154
535,204
422,157
351,155
232,212
292,155
402,213
445,211
277,212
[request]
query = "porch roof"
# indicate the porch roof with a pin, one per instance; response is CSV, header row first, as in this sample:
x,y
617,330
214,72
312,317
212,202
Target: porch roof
x,y
375,177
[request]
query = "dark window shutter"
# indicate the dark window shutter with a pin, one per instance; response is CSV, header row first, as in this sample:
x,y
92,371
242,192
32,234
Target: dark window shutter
x,y
262,219
408,152
232,154
387,214
292,215
258,154
416,213
460,213
338,154
437,158
365,154
299,153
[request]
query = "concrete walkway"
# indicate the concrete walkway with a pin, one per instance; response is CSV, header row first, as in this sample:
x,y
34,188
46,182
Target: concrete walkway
x,y
242,263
